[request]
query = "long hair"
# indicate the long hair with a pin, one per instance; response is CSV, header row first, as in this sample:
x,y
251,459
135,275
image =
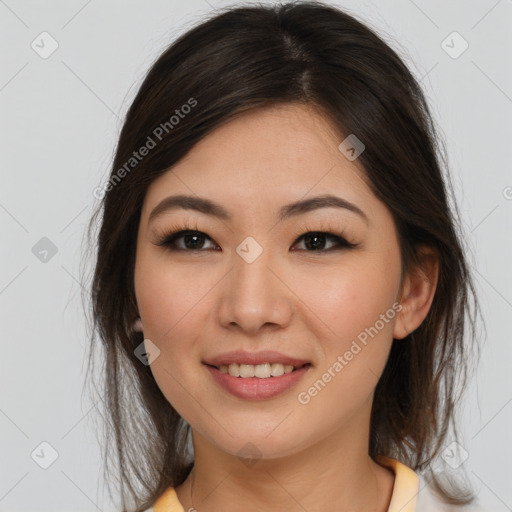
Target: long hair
x,y
249,57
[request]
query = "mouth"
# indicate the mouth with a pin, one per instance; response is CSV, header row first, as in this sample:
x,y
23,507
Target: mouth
x,y
258,375
261,371
261,381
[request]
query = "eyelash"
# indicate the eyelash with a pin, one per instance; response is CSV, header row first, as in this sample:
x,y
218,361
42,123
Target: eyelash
x,y
178,231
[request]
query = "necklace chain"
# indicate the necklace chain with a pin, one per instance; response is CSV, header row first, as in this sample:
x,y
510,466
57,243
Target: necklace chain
x,y
191,488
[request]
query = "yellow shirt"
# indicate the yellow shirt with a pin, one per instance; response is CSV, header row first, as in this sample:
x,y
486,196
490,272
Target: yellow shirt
x,y
406,496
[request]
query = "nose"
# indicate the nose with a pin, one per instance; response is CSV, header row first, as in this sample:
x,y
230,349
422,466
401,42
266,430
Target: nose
x,y
255,296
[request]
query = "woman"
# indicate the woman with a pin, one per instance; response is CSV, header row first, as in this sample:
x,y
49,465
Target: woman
x,y
279,280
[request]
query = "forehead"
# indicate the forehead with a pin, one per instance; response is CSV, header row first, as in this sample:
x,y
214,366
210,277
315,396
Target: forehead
x,y
273,155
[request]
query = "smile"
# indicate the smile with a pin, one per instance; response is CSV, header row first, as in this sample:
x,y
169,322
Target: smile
x,y
257,382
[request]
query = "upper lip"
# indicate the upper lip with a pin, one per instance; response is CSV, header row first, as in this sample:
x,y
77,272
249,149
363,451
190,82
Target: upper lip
x,y
254,358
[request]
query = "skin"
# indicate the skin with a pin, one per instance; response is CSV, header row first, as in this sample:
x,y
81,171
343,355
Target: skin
x,y
304,303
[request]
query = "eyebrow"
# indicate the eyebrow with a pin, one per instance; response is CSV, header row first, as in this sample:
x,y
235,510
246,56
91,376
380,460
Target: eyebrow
x,y
214,209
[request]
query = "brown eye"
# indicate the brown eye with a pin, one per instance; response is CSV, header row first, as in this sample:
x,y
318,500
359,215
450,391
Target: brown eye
x,y
192,241
316,241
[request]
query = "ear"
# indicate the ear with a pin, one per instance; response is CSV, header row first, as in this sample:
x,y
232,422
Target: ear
x,y
417,292
137,325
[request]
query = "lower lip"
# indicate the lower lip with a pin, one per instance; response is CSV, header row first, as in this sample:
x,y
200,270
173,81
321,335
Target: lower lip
x,y
253,388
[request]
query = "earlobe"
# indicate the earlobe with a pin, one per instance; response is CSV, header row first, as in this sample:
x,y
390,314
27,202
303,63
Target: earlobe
x,y
137,325
418,291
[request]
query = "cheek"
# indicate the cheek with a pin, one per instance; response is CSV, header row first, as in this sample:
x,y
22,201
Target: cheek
x,y
174,310
357,340
169,297
174,306
352,297
354,316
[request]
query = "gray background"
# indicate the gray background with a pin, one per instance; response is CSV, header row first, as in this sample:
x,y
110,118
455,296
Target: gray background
x,y
60,117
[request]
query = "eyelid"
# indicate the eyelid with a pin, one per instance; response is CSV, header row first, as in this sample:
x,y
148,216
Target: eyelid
x,y
160,234
325,228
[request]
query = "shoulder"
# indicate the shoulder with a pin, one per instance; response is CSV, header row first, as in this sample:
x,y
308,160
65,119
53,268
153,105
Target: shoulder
x,y
413,493
428,501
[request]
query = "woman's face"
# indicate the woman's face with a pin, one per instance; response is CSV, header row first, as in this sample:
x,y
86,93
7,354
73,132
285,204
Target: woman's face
x,y
251,282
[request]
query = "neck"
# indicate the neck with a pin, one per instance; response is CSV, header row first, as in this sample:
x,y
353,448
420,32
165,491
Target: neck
x,y
335,474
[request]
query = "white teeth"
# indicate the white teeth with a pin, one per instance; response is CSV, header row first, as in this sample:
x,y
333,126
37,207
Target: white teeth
x,y
234,370
277,369
261,371
246,370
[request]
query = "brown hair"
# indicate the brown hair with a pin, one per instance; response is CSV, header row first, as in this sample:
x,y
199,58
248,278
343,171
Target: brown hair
x,y
250,57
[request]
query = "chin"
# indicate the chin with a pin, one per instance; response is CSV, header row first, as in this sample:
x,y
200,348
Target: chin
x,y
258,445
